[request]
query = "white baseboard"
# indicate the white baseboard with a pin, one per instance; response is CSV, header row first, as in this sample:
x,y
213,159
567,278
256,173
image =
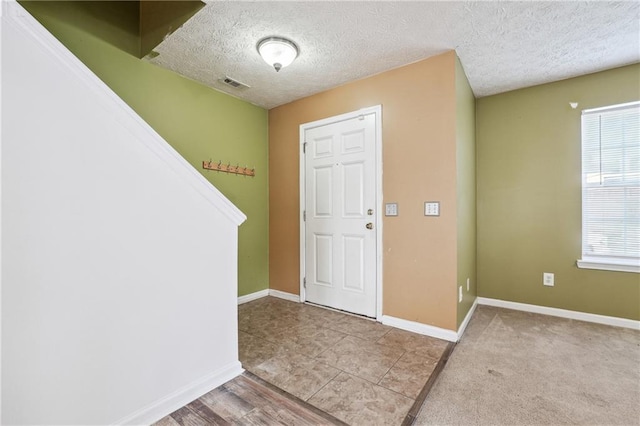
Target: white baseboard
x,y
430,330
562,313
467,318
284,295
253,296
268,292
416,327
167,405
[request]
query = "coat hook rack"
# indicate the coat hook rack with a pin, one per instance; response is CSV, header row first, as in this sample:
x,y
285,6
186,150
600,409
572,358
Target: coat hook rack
x,y
228,168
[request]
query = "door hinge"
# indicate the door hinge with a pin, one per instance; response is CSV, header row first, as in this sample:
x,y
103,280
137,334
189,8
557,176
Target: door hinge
x,y
304,215
304,148
304,282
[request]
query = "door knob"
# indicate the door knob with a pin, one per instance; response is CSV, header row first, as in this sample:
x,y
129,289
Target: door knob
x,y
369,225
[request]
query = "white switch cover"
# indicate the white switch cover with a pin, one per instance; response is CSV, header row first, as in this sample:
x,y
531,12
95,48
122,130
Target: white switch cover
x,y
548,279
459,294
432,208
391,209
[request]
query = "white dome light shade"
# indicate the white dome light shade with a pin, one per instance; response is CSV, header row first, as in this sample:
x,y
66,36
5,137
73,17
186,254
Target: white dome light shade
x,y
277,52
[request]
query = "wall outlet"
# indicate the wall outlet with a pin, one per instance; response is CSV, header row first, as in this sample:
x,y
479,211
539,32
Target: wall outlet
x,y
548,279
459,294
467,284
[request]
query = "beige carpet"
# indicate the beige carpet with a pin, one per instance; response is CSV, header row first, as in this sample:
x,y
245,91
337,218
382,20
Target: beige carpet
x,y
516,368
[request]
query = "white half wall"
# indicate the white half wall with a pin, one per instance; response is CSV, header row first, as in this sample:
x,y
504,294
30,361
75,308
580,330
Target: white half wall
x,y
118,300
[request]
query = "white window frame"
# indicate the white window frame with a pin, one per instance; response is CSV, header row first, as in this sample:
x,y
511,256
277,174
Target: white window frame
x,y
620,264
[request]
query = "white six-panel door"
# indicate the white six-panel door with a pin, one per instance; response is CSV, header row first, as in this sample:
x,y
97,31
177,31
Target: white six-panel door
x,y
340,231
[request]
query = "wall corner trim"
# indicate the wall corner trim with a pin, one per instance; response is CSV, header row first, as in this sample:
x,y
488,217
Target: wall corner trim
x,y
284,295
167,405
467,318
121,112
253,296
562,313
268,292
417,327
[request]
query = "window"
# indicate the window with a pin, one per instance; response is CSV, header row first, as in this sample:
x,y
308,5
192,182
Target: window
x,y
611,188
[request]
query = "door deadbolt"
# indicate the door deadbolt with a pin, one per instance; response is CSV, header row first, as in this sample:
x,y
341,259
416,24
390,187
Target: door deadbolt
x,y
370,212
369,225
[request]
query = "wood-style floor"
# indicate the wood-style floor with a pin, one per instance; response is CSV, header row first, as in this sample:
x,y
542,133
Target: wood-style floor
x,y
248,400
316,366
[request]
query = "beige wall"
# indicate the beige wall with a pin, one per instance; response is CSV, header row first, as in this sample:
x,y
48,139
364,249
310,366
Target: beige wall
x,y
419,164
529,196
466,190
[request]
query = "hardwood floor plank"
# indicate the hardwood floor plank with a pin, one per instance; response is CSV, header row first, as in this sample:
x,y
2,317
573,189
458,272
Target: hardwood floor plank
x,y
207,413
248,400
226,403
258,417
251,395
167,421
302,409
185,417
289,418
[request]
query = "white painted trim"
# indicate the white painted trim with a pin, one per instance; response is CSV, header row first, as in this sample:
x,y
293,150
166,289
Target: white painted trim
x,y
562,313
608,266
253,296
416,327
467,318
303,202
284,295
167,405
379,215
268,292
3,6
377,111
117,108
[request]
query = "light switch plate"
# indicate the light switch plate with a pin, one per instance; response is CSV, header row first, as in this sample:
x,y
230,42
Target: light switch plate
x,y
391,209
432,208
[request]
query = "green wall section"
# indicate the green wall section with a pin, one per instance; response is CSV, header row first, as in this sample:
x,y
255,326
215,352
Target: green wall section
x,y
529,196
465,191
199,122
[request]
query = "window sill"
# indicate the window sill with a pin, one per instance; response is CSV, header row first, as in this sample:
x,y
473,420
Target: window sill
x,y
608,266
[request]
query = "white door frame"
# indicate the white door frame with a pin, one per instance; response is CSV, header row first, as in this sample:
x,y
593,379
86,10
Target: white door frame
x,y
377,111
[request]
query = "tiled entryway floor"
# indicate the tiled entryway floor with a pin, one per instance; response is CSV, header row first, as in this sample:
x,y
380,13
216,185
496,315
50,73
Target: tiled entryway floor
x,y
357,370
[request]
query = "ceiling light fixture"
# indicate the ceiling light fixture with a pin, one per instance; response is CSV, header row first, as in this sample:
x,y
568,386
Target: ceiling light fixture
x,y
277,51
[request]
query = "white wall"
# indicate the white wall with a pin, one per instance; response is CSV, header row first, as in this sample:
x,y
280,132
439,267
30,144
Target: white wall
x,y
119,268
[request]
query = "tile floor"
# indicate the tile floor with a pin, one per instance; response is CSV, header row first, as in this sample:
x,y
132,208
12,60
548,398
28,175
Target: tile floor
x,y
360,371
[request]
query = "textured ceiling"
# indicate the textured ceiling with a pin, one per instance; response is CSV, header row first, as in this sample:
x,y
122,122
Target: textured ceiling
x,y
502,45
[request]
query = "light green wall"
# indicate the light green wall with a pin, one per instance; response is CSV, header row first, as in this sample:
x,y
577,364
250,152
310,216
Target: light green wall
x,y
199,122
466,190
529,196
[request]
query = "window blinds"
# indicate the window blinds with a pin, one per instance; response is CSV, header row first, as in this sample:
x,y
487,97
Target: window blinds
x,y
611,183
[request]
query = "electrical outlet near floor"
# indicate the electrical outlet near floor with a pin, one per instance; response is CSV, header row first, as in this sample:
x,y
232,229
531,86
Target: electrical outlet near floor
x,y
459,294
548,279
